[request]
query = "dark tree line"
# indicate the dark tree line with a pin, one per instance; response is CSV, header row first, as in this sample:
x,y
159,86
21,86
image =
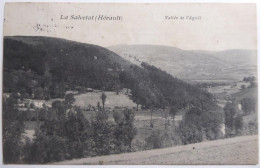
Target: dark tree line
x,y
211,84
249,79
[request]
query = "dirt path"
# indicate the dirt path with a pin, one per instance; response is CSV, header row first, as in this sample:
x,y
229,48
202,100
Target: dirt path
x,y
239,150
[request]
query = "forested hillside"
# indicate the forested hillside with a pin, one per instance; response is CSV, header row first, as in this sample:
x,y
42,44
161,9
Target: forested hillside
x,y
43,68
46,67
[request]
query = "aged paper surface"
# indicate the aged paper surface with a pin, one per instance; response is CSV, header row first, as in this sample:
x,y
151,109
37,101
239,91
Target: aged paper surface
x,y
125,83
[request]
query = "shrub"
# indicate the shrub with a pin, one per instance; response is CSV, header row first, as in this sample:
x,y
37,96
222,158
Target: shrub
x,y
238,122
138,145
153,141
190,133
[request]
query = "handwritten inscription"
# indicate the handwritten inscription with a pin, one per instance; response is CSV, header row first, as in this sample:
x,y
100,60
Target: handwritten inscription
x,y
49,27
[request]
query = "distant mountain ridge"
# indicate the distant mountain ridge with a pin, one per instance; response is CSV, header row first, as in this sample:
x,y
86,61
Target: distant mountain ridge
x,y
193,64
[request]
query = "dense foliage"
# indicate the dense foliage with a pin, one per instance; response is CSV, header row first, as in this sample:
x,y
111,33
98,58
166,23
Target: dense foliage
x,y
73,136
248,105
13,128
198,124
44,68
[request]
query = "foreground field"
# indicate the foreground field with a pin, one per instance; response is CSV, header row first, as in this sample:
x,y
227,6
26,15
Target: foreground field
x,y
233,151
91,98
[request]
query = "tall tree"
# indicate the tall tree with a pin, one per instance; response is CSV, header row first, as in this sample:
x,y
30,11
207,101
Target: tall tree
x,y
230,112
238,123
173,111
103,97
59,109
98,106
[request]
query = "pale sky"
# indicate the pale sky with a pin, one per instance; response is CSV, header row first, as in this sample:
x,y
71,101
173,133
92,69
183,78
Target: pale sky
x,y
219,26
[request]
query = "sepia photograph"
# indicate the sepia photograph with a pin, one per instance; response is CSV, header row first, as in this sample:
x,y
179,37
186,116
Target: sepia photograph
x,y
129,84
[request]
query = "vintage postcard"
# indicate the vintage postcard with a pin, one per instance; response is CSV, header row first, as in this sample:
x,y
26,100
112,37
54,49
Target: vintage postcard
x,y
130,84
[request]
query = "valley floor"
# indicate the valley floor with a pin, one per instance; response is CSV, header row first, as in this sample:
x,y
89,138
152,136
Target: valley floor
x,y
232,151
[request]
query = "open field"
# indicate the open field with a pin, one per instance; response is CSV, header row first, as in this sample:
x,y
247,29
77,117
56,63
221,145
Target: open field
x,y
228,89
91,98
246,93
233,151
223,93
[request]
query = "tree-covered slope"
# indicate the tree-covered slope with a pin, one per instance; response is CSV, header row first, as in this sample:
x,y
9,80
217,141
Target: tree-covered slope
x,y
46,67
